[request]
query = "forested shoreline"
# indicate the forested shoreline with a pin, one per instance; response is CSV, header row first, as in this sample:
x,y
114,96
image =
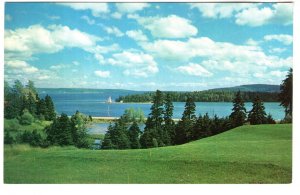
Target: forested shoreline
x,y
202,96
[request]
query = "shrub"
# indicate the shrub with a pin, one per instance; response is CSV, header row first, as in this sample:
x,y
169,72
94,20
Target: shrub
x,y
26,118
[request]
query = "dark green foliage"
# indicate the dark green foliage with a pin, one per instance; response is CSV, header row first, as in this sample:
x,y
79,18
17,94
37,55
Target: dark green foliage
x,y
238,115
26,118
203,127
8,139
257,115
107,143
60,131
270,119
184,128
50,110
65,131
134,134
79,130
154,123
33,138
203,96
19,98
169,125
286,95
117,136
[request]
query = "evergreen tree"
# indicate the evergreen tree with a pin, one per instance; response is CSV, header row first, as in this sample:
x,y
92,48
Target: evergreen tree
x,y
257,115
41,109
238,116
79,130
60,131
154,121
31,103
107,142
270,119
169,125
202,127
50,110
286,94
134,133
184,128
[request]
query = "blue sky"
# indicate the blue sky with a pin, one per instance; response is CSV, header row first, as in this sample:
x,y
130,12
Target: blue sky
x,y
148,46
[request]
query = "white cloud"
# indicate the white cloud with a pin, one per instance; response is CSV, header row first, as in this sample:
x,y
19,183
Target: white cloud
x,y
194,69
135,63
280,13
285,39
131,7
226,56
277,50
96,8
277,73
88,20
19,67
116,15
252,42
259,75
8,17
113,30
37,39
168,27
220,10
102,74
136,35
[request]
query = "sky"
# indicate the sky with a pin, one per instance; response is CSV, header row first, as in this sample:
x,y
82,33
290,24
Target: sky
x,y
147,46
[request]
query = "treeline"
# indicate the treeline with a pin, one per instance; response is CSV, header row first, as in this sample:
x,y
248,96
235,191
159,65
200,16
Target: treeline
x,y
202,96
161,130
23,107
24,103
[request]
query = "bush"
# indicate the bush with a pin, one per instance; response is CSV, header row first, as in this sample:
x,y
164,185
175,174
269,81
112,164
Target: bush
x,y
26,118
12,125
8,139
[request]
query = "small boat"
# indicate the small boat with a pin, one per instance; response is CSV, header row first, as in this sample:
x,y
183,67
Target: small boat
x,y
109,101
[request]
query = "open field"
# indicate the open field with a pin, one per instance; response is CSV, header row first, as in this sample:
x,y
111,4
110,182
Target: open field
x,y
248,154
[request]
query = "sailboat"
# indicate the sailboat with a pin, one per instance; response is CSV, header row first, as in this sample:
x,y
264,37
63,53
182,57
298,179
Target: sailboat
x,y
109,101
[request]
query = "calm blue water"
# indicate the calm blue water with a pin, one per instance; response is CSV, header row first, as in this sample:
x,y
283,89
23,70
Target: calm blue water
x,y
94,104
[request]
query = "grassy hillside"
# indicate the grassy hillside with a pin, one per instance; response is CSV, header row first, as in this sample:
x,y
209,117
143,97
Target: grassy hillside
x,y
248,154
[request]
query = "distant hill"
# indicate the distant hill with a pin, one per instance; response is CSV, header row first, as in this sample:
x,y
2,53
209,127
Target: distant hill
x,y
251,88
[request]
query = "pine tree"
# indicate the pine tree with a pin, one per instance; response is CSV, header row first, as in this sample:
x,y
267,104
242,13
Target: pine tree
x,y
184,128
154,127
169,125
257,115
202,127
79,130
286,95
134,133
238,116
50,110
60,131
107,142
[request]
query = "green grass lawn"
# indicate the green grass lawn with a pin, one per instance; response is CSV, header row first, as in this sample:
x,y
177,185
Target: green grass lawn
x,y
248,154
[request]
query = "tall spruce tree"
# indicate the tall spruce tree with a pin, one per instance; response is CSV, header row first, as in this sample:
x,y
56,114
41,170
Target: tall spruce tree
x,y
202,127
134,134
257,115
154,127
238,115
50,110
60,131
169,125
184,128
286,94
